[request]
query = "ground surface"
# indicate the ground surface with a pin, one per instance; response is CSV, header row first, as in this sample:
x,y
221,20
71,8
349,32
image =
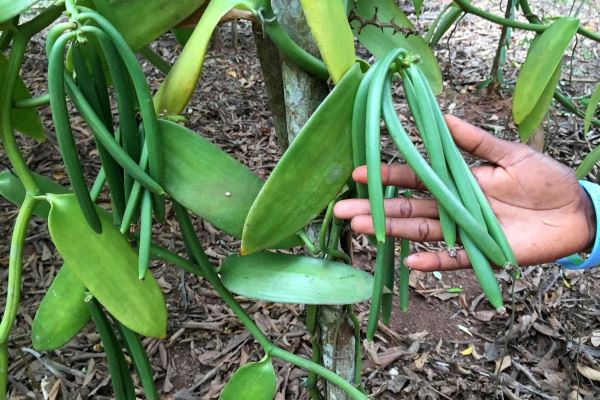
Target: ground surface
x,y
448,346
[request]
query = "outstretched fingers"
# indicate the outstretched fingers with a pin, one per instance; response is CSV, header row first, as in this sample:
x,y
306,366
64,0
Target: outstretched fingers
x,y
416,229
400,207
391,174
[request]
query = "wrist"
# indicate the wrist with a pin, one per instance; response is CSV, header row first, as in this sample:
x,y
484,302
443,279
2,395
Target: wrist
x,y
590,217
591,208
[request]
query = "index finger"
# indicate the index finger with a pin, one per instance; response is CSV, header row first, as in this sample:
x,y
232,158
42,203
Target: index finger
x,y
391,174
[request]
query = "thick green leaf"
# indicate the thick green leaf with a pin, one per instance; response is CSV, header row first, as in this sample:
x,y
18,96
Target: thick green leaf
x,y
178,87
26,121
285,278
417,4
62,312
13,190
143,21
12,8
536,116
387,10
207,181
107,265
543,57
329,26
588,163
253,381
310,173
380,42
591,109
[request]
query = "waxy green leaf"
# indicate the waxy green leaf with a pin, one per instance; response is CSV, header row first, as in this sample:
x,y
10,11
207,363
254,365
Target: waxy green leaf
x,y
310,173
13,190
329,26
178,87
591,109
107,266
12,8
537,114
252,381
62,312
380,42
207,181
27,121
143,21
417,4
285,278
543,57
588,163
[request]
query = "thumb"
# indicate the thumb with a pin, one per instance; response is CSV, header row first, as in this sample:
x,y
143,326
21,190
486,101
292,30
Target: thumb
x,y
482,144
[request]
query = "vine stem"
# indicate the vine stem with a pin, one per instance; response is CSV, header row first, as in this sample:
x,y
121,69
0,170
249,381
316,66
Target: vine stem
x,y
15,266
21,38
467,7
6,127
71,9
308,365
33,102
207,271
570,106
271,348
531,17
155,59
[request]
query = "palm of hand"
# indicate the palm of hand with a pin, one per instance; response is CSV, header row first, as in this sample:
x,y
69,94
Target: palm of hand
x,y
539,204
541,207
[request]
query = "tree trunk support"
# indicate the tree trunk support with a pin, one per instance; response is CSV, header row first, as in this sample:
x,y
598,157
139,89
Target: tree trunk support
x,y
270,64
302,95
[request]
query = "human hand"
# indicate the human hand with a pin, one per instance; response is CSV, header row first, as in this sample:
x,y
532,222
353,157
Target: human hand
x,y
544,212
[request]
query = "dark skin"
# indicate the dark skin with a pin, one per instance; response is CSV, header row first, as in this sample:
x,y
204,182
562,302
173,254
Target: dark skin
x,y
543,210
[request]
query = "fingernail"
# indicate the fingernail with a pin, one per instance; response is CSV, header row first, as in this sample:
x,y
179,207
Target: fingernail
x,y
408,260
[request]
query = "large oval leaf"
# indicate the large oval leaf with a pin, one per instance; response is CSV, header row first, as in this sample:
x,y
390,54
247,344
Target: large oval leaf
x,y
178,87
543,57
107,265
310,173
285,278
329,26
62,312
12,8
158,16
207,181
380,41
26,121
536,116
13,190
253,381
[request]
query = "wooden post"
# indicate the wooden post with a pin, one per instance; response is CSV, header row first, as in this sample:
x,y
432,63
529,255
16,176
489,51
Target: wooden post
x,y
302,95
